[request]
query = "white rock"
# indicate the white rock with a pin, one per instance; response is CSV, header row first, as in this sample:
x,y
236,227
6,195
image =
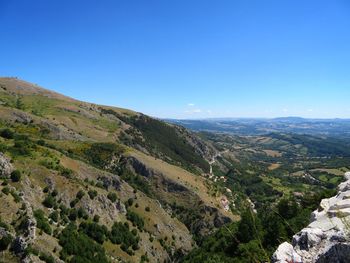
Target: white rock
x,y
326,238
285,253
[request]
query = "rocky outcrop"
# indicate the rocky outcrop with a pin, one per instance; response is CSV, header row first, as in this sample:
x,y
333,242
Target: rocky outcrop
x,y
6,167
327,237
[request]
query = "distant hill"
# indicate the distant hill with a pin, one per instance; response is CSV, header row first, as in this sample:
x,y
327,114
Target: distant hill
x,y
329,127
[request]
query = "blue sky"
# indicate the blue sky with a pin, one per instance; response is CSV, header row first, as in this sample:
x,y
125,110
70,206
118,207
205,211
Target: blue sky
x,y
185,58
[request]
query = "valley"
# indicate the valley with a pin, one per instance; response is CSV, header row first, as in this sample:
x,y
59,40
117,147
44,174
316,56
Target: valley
x,y
82,182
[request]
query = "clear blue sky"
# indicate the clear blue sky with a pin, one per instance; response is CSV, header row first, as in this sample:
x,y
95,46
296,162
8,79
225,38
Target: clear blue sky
x,y
185,58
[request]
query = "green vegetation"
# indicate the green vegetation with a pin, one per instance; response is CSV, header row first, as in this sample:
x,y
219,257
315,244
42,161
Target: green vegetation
x,y
49,201
5,242
42,222
256,236
16,176
94,231
121,235
135,219
100,154
92,194
137,182
112,196
7,133
163,140
77,247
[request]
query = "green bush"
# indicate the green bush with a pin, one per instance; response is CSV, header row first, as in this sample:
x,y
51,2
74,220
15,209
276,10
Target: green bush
x,y
16,176
112,196
80,194
6,190
49,201
92,194
54,216
7,134
5,241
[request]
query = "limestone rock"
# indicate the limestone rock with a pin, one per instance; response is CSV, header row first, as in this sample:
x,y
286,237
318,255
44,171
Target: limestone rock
x,y
327,237
6,167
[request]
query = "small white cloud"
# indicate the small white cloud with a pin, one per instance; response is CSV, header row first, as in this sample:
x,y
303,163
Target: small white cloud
x,y
310,110
209,111
197,110
190,104
284,110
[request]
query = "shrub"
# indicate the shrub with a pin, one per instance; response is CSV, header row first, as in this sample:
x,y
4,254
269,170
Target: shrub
x,y
130,201
16,176
80,194
96,218
54,216
5,241
73,214
66,172
46,258
6,190
92,194
82,213
147,209
49,201
54,193
74,202
112,196
7,134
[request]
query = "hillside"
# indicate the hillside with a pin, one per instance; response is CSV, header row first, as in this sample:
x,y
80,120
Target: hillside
x,y
82,182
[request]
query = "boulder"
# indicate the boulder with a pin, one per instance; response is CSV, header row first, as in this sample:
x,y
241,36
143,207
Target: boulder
x,y
6,167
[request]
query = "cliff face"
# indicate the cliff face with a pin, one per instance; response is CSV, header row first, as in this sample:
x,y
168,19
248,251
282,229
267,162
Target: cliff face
x,y
327,237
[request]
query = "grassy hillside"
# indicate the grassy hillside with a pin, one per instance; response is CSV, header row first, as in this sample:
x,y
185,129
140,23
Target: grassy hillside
x,y
94,183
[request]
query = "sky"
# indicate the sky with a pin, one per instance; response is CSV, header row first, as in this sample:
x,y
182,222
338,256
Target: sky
x,y
185,58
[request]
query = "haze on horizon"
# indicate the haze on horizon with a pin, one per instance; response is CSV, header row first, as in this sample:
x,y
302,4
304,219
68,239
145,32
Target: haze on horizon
x,y
186,59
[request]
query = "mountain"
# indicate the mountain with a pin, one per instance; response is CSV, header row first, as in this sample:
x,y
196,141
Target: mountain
x,y
82,182
251,126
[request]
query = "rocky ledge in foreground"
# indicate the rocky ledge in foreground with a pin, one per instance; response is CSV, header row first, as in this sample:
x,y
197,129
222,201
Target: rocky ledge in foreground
x,y
327,237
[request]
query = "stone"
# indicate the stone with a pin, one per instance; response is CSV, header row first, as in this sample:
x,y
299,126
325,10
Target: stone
x,y
6,167
285,253
326,238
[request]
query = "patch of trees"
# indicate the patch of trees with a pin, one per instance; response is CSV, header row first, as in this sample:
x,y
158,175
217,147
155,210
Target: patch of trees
x,y
121,235
79,247
42,221
256,236
135,219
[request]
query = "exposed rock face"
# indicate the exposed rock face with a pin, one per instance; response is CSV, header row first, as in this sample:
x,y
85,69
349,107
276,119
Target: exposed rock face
x,y
327,237
6,167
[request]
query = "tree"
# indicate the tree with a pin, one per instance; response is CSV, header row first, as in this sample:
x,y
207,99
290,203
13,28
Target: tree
x,y
249,227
